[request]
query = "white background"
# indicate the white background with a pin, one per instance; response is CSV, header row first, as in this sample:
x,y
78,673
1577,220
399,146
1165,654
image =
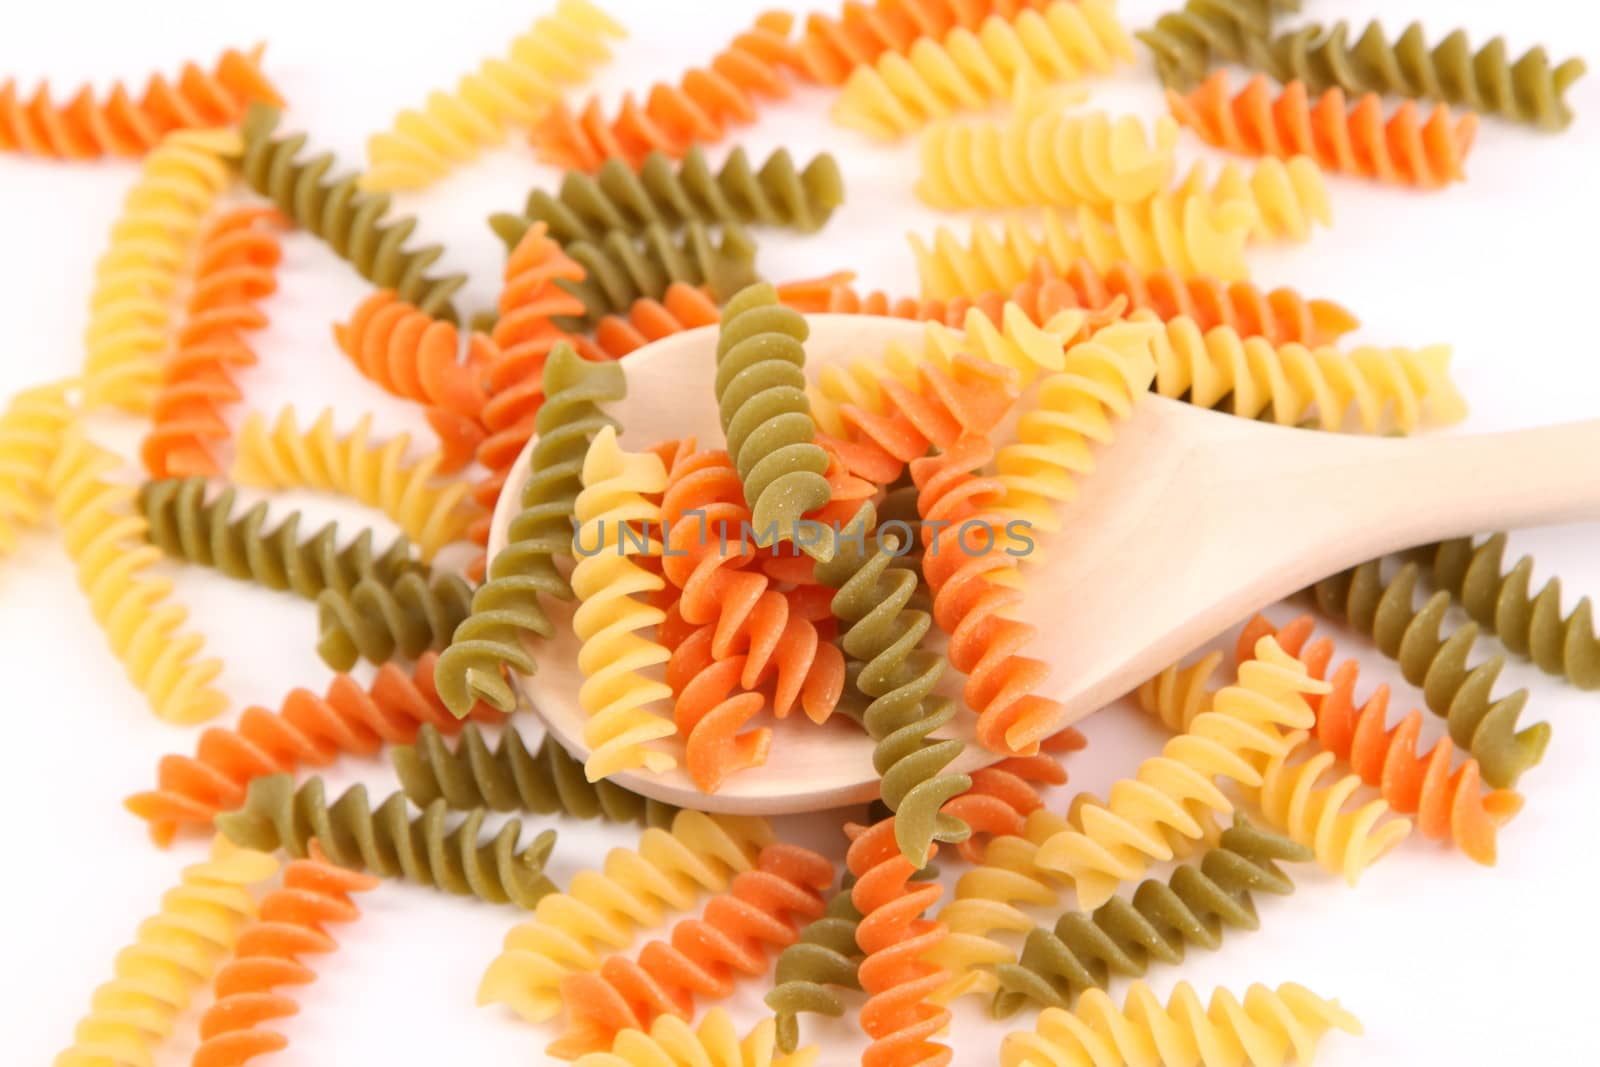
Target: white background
x,y
1443,960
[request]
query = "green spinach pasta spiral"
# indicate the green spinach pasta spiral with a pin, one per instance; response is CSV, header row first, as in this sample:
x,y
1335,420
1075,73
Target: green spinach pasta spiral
x,y
507,777
619,270
336,210
378,620
674,192
391,841
1529,624
883,637
1202,33
824,959
1527,89
1194,906
1460,692
187,526
506,607
766,416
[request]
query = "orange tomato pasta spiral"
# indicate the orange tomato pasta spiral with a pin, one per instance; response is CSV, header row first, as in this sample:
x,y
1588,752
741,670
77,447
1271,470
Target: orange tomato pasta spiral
x,y
899,1016
683,307
672,118
236,265
1343,136
760,912
972,602
416,356
306,730
1448,805
293,923
731,625
524,334
86,128
833,47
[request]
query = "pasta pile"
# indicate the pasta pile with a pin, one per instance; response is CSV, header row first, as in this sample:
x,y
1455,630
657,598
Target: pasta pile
x,y
853,542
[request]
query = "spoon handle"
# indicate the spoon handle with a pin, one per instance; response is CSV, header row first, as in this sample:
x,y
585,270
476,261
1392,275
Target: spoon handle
x,y
1453,486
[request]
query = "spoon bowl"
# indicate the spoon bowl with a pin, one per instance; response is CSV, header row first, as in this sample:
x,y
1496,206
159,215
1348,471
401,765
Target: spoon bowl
x,y
1192,521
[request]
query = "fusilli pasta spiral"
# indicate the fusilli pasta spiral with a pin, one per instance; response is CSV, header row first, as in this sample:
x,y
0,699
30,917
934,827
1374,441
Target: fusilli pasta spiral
x,y
176,950
506,607
136,278
1448,805
1529,624
760,390
1406,148
611,620
1191,235
670,1042
378,620
305,730
1195,906
1526,89
758,913
1375,388
667,871
104,537
391,842
682,307
525,335
187,526
414,355
284,456
897,676
294,923
235,267
1203,33
1293,802
1174,796
971,68
351,222
671,118
825,956
673,192
1459,691
1046,156
618,271
1289,197
119,125
833,47
1266,1030
560,49
508,777
32,428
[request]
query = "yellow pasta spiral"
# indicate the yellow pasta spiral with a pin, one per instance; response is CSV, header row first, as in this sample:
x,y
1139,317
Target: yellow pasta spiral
x,y
131,305
1191,235
1289,196
672,1042
1178,694
986,903
31,431
1269,1027
971,68
559,49
286,457
1076,408
666,872
1046,156
1382,387
611,621
1174,796
105,537
175,953
1346,842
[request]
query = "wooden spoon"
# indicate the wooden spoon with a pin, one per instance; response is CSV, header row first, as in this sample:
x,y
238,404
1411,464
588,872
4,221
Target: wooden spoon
x,y
1192,521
